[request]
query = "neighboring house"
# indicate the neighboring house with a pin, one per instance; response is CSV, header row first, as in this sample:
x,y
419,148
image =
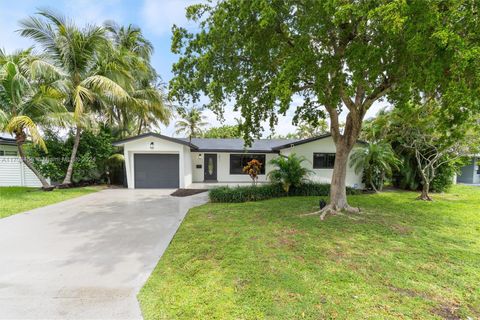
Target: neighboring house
x,y
156,161
470,173
12,170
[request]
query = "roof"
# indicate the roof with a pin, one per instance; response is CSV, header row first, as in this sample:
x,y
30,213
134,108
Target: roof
x,y
7,139
156,135
230,145
301,141
237,145
216,145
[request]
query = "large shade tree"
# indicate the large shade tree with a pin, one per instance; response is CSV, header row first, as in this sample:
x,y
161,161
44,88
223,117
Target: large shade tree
x,y
80,53
336,55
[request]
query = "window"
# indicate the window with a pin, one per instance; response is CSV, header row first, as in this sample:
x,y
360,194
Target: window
x,y
8,153
238,161
323,160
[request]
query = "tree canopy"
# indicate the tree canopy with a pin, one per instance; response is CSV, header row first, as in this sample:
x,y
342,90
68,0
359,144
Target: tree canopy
x,y
335,55
225,131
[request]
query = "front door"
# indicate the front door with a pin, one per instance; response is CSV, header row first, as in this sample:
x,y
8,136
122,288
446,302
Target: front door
x,y
210,165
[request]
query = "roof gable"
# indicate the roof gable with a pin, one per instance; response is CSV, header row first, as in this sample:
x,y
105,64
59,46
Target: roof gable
x,y
156,135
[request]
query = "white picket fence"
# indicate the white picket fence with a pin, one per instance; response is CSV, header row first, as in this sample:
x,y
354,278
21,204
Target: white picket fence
x,y
14,173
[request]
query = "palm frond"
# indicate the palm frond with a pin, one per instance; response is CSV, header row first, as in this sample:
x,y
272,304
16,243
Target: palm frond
x,y
22,123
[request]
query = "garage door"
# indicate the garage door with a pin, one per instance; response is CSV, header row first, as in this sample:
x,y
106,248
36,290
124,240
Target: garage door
x,y
156,170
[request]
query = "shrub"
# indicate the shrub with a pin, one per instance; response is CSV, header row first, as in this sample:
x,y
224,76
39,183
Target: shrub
x,y
253,169
269,191
92,158
288,171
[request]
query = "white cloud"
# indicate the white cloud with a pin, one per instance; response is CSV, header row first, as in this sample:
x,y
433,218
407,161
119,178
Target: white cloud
x,y
160,16
94,11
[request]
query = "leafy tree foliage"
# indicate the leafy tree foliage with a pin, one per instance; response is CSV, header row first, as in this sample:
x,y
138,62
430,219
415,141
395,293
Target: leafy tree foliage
x,y
104,74
429,142
335,55
94,155
376,161
225,131
28,98
308,130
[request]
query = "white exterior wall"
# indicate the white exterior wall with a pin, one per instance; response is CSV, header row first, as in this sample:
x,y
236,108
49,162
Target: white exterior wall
x,y
325,145
142,145
188,171
14,173
197,173
223,167
187,166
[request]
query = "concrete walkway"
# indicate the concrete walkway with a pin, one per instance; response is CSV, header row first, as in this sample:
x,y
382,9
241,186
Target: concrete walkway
x,y
88,257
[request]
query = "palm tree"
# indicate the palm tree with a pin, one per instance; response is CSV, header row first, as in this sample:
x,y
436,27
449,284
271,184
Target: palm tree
x,y
26,101
147,107
191,124
289,171
376,160
78,53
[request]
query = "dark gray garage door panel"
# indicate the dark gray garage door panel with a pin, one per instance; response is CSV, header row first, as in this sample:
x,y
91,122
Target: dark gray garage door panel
x,y
156,170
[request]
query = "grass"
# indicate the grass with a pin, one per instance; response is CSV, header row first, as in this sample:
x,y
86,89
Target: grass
x,y
19,199
400,259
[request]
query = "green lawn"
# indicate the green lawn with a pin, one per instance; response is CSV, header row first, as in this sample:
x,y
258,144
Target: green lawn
x,y
400,259
19,199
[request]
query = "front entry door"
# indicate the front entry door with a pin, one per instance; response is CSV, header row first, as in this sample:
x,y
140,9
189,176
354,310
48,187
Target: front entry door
x,y
210,165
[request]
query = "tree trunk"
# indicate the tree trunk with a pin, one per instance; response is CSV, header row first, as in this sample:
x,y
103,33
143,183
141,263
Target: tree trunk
x,y
425,189
338,193
76,142
43,181
140,125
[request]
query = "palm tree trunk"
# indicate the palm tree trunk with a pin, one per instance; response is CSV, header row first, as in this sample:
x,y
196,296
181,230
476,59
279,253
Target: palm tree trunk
x,y
21,152
140,125
76,142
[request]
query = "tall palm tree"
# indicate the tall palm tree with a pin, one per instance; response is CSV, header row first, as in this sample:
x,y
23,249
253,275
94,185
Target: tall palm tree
x,y
191,124
78,53
147,107
27,101
376,160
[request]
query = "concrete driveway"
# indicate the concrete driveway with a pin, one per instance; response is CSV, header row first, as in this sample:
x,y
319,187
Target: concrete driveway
x,y
88,257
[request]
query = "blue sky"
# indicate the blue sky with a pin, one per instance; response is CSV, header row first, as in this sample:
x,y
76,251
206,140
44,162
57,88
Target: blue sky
x,y
154,17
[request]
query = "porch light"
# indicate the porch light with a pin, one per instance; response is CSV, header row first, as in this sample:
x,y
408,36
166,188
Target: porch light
x,y
199,156
151,145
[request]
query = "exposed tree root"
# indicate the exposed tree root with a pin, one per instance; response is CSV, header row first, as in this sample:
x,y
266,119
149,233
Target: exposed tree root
x,y
424,198
333,210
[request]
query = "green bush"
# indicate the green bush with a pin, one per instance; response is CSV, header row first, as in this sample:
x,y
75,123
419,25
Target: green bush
x,y
93,154
268,191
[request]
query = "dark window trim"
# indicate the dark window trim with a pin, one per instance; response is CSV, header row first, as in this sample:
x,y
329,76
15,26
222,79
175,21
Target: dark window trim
x,y
250,155
323,153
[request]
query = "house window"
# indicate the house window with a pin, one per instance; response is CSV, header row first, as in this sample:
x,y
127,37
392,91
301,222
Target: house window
x,y
238,161
8,153
323,160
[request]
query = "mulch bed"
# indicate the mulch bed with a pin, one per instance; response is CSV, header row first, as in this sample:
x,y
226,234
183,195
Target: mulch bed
x,y
187,192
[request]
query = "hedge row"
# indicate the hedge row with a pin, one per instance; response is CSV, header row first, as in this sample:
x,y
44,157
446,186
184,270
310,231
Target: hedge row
x,y
268,191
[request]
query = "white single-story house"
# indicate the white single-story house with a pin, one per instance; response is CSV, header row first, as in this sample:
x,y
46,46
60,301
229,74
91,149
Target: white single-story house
x,y
12,170
157,161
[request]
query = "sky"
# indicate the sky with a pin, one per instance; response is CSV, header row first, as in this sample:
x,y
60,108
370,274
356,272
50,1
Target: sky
x,y
154,17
